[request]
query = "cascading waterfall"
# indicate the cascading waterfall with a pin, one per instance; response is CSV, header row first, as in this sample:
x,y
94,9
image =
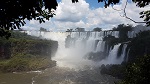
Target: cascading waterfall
x,y
81,43
127,55
131,34
123,54
68,57
112,57
100,46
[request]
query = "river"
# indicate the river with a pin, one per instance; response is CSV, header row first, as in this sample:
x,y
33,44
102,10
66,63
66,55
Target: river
x,y
57,75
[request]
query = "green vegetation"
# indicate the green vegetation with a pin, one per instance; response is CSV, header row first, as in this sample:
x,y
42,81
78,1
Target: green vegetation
x,y
110,41
123,31
139,46
26,63
117,71
43,29
138,72
14,13
80,29
136,69
69,30
22,52
97,29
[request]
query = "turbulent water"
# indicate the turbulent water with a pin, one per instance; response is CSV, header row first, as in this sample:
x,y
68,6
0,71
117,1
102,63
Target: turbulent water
x,y
57,75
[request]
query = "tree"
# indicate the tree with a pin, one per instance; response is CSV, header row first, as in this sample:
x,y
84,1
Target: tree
x,y
43,29
69,30
138,72
123,31
14,12
80,29
123,27
97,29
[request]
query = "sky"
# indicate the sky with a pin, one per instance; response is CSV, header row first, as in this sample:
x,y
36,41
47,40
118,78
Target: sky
x,y
87,14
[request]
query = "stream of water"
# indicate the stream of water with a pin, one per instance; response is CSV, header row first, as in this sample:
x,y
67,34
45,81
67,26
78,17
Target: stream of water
x,y
57,75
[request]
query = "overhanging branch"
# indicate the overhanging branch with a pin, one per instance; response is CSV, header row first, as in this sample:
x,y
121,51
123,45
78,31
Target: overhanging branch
x,y
125,15
117,9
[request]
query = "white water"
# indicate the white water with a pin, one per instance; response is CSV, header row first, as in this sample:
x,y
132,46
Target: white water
x,y
112,57
68,57
121,59
74,56
100,46
127,54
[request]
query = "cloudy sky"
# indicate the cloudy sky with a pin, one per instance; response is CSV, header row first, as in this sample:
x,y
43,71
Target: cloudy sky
x,y
87,14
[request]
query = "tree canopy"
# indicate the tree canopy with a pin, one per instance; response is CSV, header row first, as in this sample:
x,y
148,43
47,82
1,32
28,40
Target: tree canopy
x,y
13,13
43,29
97,29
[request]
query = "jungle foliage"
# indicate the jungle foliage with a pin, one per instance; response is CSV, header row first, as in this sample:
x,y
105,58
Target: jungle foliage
x,y
22,52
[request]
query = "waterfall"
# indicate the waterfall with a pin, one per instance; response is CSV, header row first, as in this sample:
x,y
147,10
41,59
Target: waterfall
x,y
112,57
100,46
80,45
115,33
34,33
73,56
123,54
90,45
131,34
127,54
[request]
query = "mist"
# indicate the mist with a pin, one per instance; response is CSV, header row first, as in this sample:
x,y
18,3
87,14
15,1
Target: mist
x,y
76,55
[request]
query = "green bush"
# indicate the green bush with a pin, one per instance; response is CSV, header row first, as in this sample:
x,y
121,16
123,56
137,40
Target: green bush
x,y
26,63
138,71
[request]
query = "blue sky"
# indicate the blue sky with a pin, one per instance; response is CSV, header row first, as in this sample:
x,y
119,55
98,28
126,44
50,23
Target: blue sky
x,y
93,3
87,14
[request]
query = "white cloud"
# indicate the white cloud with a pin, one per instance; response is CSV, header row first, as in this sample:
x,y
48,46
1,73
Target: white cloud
x,y
35,25
69,12
73,15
